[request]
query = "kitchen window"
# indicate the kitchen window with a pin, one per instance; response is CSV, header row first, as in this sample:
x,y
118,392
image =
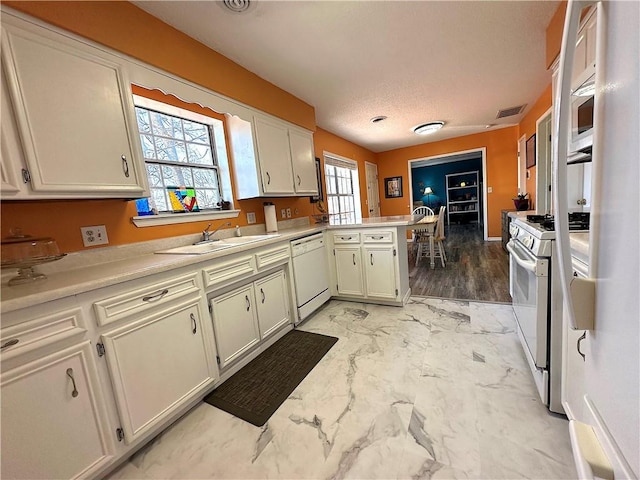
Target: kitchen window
x,y
178,152
343,190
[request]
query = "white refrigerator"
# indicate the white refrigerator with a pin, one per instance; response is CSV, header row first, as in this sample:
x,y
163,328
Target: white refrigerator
x,y
607,303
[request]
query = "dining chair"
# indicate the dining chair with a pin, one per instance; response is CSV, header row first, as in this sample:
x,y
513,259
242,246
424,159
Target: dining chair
x,y
439,237
421,235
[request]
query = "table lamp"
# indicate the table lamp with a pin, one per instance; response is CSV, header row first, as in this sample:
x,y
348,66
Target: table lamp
x,y
428,191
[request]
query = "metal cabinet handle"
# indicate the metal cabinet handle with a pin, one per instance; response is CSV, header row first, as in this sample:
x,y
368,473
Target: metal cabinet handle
x,y
74,394
371,258
26,176
246,297
262,293
346,238
125,166
268,179
377,237
299,181
9,343
194,323
354,258
156,296
582,337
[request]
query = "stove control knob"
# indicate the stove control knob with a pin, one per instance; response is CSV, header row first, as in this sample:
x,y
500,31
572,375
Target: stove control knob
x,y
513,230
528,241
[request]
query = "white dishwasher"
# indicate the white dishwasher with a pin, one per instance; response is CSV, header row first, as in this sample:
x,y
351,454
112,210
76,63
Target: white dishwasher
x,y
310,274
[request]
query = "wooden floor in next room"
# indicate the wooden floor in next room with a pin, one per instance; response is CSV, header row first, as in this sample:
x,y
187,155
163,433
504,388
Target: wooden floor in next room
x,y
475,269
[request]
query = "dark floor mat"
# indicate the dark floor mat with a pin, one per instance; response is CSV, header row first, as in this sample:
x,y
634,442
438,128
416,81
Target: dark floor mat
x,y
260,387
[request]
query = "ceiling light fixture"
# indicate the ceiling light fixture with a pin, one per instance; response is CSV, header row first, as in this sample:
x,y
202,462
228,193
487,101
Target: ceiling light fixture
x,y
377,119
427,128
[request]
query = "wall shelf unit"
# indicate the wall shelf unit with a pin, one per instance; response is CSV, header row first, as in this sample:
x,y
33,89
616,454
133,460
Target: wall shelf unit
x,y
463,197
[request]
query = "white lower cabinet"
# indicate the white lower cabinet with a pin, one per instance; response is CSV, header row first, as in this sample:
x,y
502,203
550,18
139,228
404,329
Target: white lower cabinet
x,y
52,423
235,323
349,270
379,271
367,265
157,364
272,302
245,316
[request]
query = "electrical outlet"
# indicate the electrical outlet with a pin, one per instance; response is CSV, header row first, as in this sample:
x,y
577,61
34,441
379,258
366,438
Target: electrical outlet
x,y
96,235
489,190
283,213
288,213
251,217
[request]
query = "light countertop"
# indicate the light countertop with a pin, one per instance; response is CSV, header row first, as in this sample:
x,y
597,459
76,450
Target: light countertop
x,y
81,272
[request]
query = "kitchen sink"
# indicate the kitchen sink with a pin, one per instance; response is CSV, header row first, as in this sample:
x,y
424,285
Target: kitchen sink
x,y
248,238
199,249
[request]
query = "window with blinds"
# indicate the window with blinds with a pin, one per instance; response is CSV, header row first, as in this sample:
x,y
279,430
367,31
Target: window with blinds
x,y
343,192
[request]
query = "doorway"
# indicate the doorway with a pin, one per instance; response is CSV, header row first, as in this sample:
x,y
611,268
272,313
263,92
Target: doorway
x,y
432,172
373,194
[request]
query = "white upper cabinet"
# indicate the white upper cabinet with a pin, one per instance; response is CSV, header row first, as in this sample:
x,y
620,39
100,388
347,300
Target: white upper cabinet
x,y
275,156
271,158
74,116
585,54
303,160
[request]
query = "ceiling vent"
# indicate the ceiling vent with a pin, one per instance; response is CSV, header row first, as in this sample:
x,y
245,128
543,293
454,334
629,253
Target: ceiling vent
x,y
510,112
237,6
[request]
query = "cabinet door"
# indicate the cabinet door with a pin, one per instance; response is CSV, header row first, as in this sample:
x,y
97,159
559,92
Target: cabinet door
x,y
53,425
380,271
580,55
77,127
304,164
273,303
10,148
349,270
590,33
156,365
272,141
235,323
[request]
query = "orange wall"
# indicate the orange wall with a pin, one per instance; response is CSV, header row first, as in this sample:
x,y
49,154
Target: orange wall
x,y
328,142
126,28
502,170
527,127
554,33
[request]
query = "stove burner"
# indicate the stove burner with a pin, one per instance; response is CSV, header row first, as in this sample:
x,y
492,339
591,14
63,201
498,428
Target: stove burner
x,y
577,221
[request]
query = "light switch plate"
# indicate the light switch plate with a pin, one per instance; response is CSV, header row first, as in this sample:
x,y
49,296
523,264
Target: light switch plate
x,y
251,217
96,235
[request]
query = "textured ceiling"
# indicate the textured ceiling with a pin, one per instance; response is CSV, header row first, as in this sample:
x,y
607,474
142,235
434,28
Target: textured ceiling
x,y
412,61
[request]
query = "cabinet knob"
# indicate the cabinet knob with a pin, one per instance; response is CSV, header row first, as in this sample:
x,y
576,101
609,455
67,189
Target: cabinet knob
x,y
125,166
74,393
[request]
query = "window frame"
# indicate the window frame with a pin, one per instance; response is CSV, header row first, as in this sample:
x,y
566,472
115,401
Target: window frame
x,y
335,161
220,153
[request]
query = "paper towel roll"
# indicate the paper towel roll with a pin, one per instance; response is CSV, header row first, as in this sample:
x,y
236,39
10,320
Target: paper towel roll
x,y
270,218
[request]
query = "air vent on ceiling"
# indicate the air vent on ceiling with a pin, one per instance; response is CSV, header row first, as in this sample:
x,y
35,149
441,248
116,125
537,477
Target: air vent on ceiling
x,y
237,6
510,112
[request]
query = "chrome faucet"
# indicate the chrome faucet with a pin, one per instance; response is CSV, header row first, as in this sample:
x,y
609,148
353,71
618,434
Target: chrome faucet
x,y
206,234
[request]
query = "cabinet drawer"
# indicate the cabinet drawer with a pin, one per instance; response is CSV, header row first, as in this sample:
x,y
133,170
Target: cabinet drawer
x,y
222,273
378,237
346,237
273,256
134,302
42,331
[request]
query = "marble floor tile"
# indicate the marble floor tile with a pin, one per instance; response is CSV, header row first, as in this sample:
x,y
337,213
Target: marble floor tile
x,y
435,389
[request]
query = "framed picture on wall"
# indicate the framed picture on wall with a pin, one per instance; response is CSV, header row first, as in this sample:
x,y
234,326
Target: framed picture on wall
x,y
531,151
393,187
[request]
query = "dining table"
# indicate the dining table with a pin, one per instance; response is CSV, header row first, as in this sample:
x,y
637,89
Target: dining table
x,y
426,226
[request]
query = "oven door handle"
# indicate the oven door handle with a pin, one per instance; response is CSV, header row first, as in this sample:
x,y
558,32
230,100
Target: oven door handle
x,y
531,265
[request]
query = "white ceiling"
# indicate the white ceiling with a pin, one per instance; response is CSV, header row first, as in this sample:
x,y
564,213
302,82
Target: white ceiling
x,y
413,61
